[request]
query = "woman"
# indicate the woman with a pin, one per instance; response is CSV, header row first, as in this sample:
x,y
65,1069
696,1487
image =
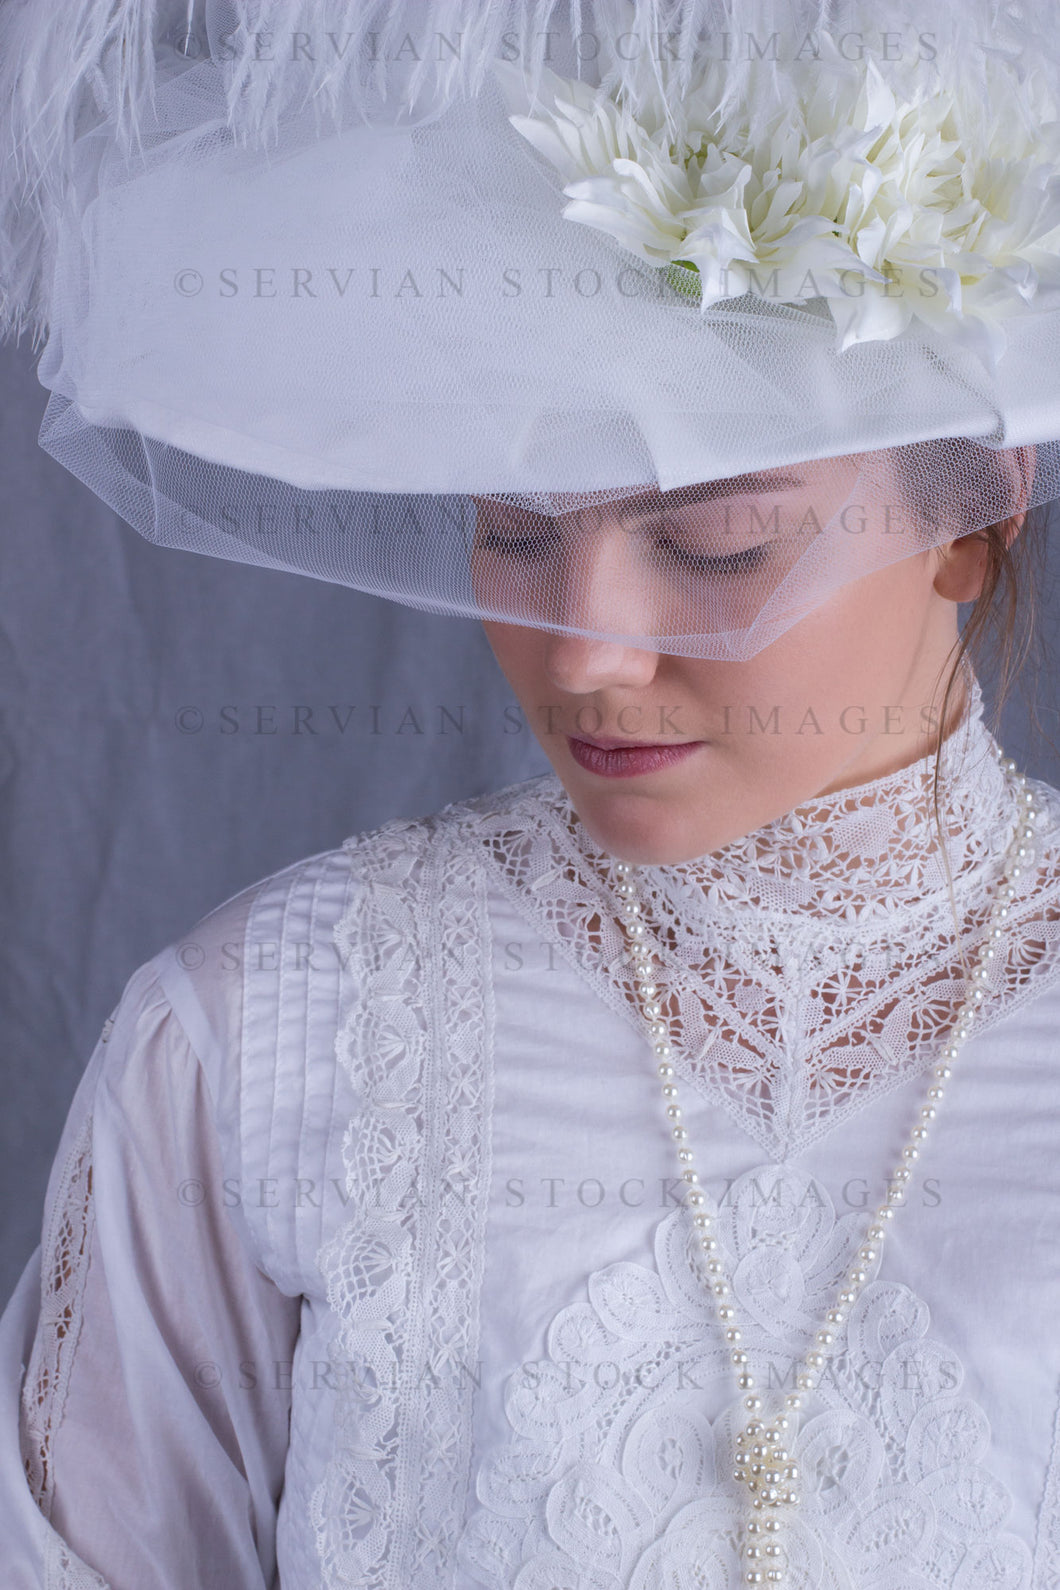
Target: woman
x,y
643,1176
379,1150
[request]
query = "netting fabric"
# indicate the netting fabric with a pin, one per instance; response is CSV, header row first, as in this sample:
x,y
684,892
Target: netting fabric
x,y
659,320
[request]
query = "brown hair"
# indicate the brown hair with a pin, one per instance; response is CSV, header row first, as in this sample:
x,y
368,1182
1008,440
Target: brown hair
x,y
1002,623
1001,626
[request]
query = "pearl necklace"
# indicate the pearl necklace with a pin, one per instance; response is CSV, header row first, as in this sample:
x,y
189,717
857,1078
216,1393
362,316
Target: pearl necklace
x,y
765,1465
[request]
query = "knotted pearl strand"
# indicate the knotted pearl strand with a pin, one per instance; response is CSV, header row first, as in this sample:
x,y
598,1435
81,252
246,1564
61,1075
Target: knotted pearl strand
x,y
764,1462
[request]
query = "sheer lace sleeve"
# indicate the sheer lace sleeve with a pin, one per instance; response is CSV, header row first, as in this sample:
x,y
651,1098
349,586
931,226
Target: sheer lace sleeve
x,y
145,1356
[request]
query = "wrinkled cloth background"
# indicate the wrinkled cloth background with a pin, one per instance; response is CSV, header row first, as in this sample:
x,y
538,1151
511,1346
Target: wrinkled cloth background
x,y
173,727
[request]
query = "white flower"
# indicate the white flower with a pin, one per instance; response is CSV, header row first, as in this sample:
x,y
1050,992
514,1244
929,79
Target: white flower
x,y
889,199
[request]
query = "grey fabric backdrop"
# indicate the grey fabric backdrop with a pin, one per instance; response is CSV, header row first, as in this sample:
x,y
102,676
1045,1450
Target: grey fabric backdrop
x,y
153,760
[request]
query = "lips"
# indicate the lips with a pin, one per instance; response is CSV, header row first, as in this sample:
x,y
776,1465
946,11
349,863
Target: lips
x,y
603,744
628,758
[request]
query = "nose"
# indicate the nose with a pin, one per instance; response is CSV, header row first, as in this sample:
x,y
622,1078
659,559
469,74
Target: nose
x,y
604,588
580,664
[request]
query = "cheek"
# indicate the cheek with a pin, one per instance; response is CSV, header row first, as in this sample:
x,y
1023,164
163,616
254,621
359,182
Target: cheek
x,y
863,639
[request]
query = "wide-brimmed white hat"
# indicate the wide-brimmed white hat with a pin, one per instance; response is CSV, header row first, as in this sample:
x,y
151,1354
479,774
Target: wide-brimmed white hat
x,y
418,297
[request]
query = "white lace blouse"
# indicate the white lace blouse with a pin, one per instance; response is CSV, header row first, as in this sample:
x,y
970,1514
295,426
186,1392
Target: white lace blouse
x,y
364,1262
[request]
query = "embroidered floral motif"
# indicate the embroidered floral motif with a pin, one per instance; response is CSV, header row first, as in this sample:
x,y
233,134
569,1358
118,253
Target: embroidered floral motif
x,y
617,1470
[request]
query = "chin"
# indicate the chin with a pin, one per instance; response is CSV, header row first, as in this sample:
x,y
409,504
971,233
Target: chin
x,y
643,837
669,817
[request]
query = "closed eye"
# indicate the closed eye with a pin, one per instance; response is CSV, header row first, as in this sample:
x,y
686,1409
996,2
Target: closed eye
x,y
541,544
728,563
518,546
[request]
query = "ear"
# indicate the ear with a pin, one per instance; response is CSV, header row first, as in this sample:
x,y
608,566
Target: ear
x,y
963,563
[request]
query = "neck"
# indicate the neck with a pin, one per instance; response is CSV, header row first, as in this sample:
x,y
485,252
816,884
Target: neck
x,y
854,851
880,757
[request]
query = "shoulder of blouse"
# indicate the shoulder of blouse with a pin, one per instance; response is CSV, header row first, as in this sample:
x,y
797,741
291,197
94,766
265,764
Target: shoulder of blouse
x,y
261,987
271,946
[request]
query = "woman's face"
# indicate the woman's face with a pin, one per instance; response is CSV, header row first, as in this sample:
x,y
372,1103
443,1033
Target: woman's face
x,y
847,694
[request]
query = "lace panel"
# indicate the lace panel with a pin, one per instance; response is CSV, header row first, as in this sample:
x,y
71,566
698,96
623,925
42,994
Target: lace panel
x,y
812,966
1047,1550
64,1570
64,1267
617,1472
404,1271
65,1257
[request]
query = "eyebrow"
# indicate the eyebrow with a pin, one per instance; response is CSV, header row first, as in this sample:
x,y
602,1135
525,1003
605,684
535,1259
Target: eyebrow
x,y
727,486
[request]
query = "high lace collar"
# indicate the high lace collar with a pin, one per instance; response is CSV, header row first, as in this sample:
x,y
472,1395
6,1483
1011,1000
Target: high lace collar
x,y
809,966
857,854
